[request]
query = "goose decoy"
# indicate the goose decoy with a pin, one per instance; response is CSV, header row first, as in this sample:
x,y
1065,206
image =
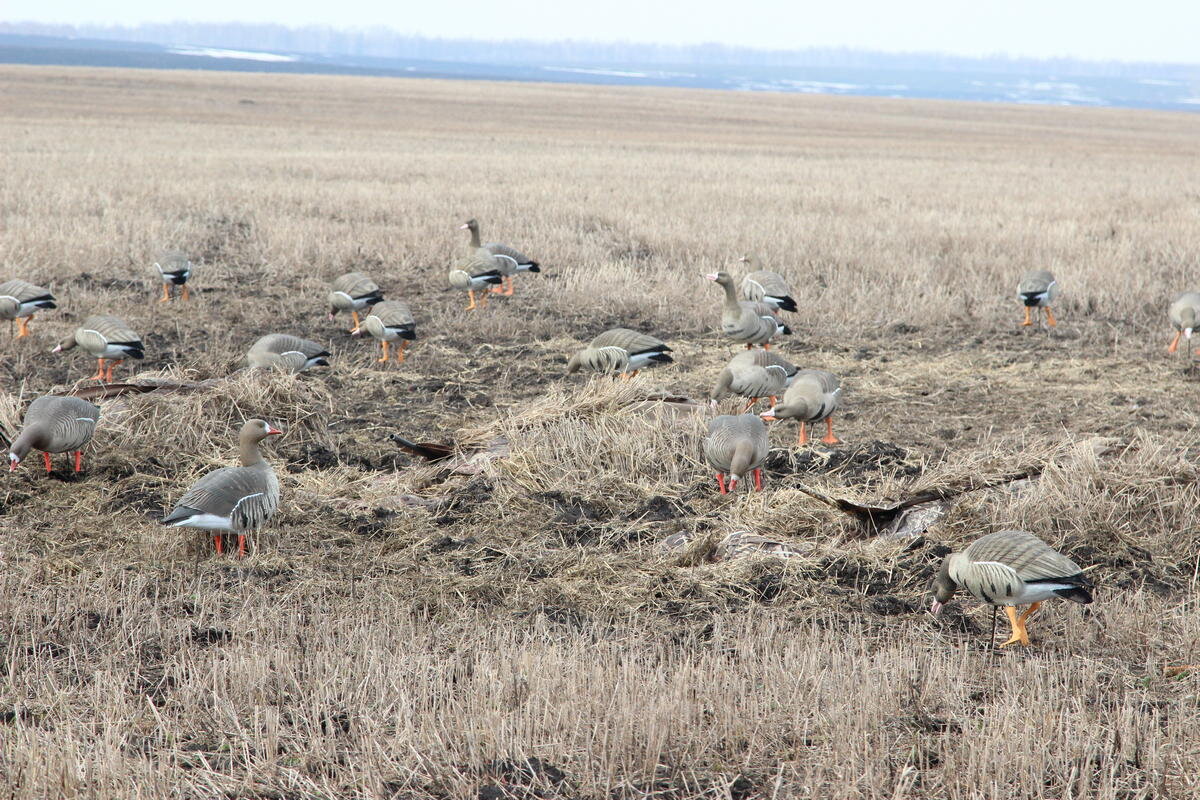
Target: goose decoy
x,y
20,300
390,321
813,395
232,499
766,287
352,292
175,269
1011,568
620,350
286,352
736,446
1183,313
745,321
105,338
55,425
464,281
1038,289
503,257
753,374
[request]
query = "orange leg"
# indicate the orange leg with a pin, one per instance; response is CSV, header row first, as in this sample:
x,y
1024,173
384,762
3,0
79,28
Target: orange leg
x,y
46,461
483,301
112,364
241,545
508,291
185,291
802,439
1028,318
99,376
79,461
471,294
750,405
774,400
166,295
354,316
721,483
749,346
758,480
829,438
1174,345
766,345
218,543
1050,317
385,353
400,351
23,326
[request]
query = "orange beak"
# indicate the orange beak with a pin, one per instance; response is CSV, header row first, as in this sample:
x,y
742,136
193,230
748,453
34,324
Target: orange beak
x,y
274,432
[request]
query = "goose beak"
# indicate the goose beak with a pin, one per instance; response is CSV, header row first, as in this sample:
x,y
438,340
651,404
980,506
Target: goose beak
x,y
769,415
330,315
1187,332
733,481
57,348
356,332
274,432
711,276
936,608
12,462
463,227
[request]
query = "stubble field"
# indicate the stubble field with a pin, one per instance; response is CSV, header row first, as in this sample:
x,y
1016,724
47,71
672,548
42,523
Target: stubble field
x,y
508,624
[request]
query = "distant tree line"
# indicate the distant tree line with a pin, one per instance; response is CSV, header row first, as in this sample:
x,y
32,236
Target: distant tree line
x,y
381,42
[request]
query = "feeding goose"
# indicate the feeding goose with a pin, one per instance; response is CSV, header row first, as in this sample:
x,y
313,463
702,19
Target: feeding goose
x,y
1183,313
1038,289
175,269
1011,568
232,499
503,258
766,287
745,321
475,281
20,300
352,292
753,374
736,446
286,352
55,425
107,339
390,321
813,396
620,350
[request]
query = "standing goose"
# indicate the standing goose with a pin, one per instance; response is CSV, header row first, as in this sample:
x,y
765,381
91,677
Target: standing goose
x,y
813,396
736,446
504,258
1183,313
352,292
1011,568
620,350
754,374
390,321
766,287
20,300
55,425
175,269
1038,289
105,338
232,499
286,352
475,276
745,321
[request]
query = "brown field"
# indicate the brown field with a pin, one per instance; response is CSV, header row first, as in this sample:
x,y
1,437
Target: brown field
x,y
405,630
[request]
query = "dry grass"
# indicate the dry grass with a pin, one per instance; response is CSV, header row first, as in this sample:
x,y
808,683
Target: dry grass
x,y
408,631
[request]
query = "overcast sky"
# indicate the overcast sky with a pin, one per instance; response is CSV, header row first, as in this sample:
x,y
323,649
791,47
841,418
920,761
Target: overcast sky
x,y
1147,30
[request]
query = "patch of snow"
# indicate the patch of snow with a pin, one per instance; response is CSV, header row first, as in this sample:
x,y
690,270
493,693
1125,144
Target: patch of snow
x,y
213,52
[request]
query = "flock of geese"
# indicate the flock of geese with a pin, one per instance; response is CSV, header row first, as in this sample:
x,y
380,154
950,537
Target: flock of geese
x,y
1007,568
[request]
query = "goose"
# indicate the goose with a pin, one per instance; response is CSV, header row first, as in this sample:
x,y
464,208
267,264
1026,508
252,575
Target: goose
x,y
1011,568
105,338
745,321
1183,313
175,269
232,499
813,395
55,425
20,300
465,281
766,287
1038,289
503,257
753,374
390,321
352,292
736,446
286,352
620,350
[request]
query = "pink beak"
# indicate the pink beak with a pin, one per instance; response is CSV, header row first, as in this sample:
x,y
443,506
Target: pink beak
x,y
274,432
12,465
57,348
732,483
330,315
711,277
936,608
463,227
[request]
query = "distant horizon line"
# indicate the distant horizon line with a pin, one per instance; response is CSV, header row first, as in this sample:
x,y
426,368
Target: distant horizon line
x,y
26,26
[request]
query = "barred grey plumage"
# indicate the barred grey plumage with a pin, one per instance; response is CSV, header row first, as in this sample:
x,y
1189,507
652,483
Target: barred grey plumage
x,y
286,352
736,446
745,321
352,292
620,350
1183,313
765,286
55,424
754,373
